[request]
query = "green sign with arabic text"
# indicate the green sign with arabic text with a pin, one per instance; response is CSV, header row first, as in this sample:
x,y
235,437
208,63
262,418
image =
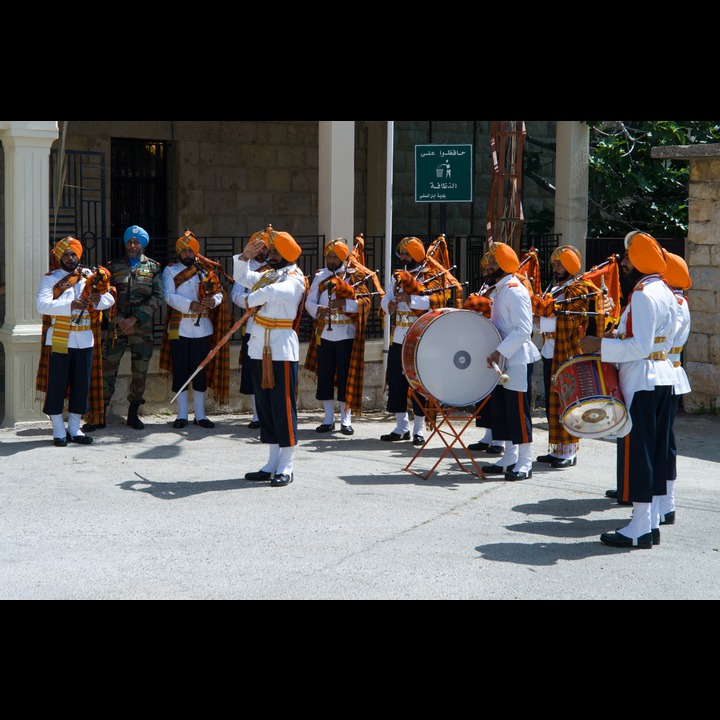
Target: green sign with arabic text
x,y
443,173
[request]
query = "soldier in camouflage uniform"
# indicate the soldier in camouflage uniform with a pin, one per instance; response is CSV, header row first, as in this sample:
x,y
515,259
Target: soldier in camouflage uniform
x,y
138,281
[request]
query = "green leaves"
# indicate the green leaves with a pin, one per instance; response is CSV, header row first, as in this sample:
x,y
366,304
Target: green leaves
x,y
628,188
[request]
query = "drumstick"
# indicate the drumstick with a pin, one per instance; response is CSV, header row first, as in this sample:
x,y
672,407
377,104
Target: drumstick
x,y
503,377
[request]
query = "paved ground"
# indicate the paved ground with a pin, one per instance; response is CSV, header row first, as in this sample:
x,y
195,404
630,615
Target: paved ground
x,y
166,514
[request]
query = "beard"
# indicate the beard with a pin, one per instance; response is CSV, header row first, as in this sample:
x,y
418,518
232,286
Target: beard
x,y
495,275
69,266
187,262
629,280
277,264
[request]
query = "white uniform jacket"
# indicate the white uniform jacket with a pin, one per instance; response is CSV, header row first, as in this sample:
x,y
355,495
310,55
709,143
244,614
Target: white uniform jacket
x,y
279,299
240,292
682,333
343,327
644,340
512,315
180,298
46,305
404,317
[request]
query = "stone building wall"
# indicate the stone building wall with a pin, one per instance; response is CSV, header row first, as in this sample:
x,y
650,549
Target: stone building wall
x,y
702,352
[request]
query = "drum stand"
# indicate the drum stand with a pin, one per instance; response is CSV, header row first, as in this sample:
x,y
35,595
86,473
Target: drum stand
x,y
444,416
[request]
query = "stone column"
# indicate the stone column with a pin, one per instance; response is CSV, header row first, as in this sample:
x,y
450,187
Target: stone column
x,y
701,357
27,225
336,179
571,182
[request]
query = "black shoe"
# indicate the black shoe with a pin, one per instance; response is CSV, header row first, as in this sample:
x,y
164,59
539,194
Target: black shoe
x,y
80,439
655,536
515,475
418,440
479,446
547,458
87,427
616,539
258,475
495,450
180,423
254,424
347,430
135,423
325,427
394,437
613,494
205,423
563,463
60,442
496,469
668,518
281,480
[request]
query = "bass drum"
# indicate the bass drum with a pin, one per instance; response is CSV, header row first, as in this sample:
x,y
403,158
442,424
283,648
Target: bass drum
x,y
444,356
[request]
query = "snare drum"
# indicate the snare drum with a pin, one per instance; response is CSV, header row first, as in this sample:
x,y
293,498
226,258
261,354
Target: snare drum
x,y
444,356
591,402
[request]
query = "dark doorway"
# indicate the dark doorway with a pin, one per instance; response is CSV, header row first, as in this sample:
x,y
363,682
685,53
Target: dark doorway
x,y
139,192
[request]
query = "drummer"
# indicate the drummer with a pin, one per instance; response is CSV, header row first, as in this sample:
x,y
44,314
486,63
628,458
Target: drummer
x,y
641,347
481,302
557,316
512,316
406,300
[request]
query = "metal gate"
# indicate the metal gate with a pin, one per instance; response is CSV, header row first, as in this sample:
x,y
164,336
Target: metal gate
x,y
78,201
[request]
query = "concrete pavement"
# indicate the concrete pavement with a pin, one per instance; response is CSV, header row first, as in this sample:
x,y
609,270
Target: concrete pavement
x,y
166,514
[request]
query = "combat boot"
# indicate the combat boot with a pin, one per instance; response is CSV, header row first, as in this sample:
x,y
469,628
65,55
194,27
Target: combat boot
x,y
133,420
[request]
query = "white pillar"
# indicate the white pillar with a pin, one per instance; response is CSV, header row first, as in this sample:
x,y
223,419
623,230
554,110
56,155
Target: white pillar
x,y
27,226
571,182
336,179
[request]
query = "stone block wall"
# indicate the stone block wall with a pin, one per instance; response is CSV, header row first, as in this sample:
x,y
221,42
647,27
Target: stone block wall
x,y
702,353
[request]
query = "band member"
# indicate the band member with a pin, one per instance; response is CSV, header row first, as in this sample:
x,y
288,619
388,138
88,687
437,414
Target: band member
x,y
678,277
481,302
71,300
562,323
137,279
197,318
406,299
336,353
512,316
640,348
239,296
274,348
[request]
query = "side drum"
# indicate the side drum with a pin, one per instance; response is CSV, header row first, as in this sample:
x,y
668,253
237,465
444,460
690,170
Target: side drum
x,y
591,402
444,356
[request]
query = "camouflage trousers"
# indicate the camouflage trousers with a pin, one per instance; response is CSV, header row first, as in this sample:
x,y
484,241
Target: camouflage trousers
x,y
141,349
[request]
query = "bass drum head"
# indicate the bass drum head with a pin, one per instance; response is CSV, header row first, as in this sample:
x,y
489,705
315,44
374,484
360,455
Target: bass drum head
x,y
447,353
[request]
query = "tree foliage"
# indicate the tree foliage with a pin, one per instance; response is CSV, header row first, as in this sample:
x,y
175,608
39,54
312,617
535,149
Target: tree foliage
x,y
628,189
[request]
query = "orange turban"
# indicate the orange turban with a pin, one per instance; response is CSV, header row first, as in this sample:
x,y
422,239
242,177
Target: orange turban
x,y
285,244
505,257
414,246
263,236
569,258
68,242
645,254
339,247
676,272
187,240
484,260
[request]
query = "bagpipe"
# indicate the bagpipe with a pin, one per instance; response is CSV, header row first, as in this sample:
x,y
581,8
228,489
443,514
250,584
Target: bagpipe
x,y
96,281
436,258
